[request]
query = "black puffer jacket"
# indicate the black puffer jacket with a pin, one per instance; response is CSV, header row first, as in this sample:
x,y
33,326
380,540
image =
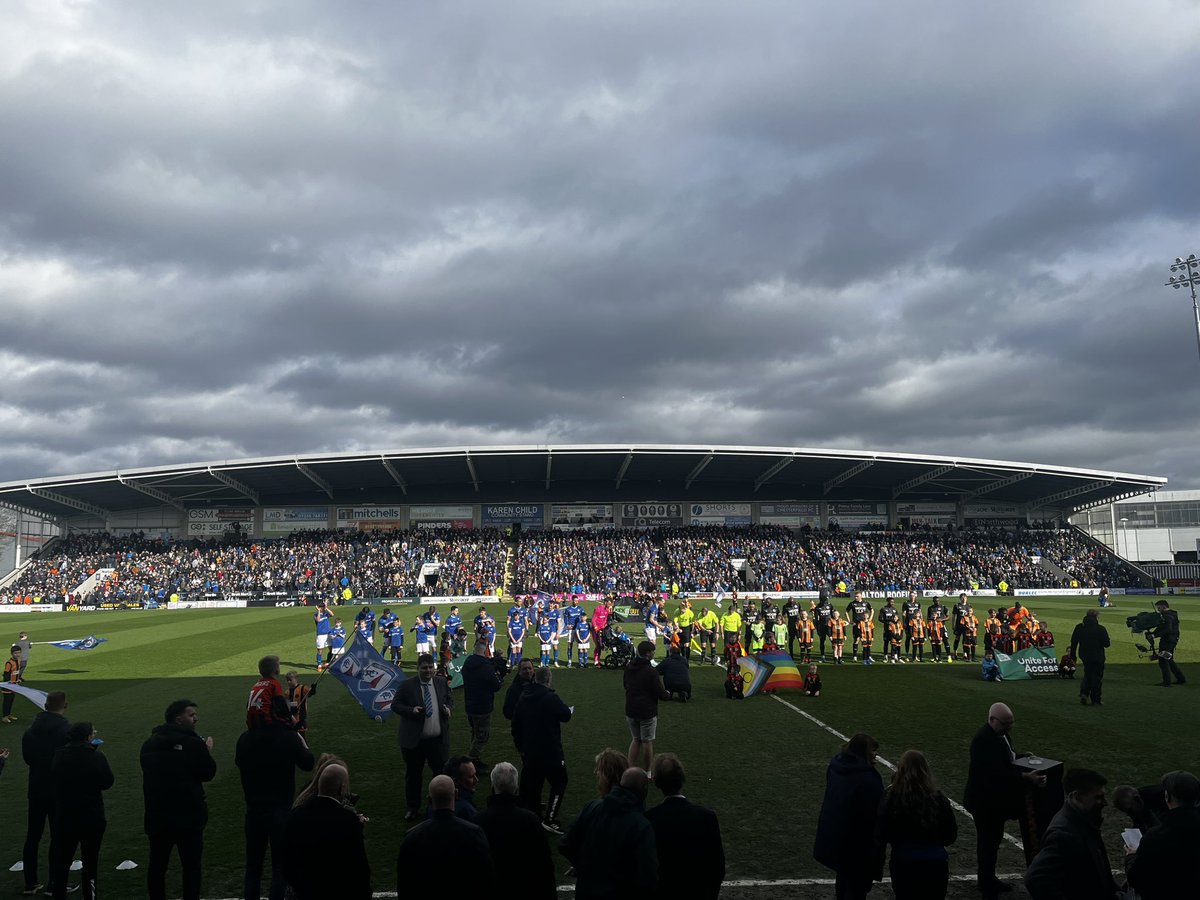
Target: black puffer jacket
x,y
175,765
81,775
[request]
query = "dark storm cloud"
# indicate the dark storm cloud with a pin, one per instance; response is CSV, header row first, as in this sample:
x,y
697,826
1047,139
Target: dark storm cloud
x,y
278,228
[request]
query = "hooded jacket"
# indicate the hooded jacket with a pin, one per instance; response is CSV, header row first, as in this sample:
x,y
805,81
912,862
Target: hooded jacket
x,y
846,825
81,774
536,724
175,764
42,739
1091,638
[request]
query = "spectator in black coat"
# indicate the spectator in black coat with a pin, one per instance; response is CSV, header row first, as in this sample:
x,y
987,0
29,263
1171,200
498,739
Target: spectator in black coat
x,y
1072,863
324,853
480,684
677,679
516,839
513,694
175,764
691,855
611,828
1091,639
846,826
1166,864
419,872
1145,806
267,757
41,741
537,734
81,775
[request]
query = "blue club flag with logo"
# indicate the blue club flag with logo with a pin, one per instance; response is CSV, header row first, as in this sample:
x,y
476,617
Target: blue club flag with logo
x,y
88,643
370,679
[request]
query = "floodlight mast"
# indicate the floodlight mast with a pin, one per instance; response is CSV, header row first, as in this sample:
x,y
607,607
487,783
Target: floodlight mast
x,y
1189,274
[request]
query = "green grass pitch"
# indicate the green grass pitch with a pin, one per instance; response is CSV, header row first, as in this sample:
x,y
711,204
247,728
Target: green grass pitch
x,y
757,762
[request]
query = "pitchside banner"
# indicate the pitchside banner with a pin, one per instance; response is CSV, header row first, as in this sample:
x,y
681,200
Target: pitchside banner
x,y
1032,662
505,515
651,515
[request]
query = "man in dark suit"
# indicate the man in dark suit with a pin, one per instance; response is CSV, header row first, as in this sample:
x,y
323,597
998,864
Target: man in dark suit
x,y
691,856
516,839
324,830
995,788
423,705
419,871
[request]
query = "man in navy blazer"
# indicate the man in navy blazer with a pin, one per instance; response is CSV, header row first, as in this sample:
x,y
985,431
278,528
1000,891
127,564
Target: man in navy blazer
x,y
423,705
691,857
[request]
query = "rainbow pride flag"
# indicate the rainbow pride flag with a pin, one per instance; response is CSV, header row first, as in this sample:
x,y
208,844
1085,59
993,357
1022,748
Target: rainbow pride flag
x,y
769,671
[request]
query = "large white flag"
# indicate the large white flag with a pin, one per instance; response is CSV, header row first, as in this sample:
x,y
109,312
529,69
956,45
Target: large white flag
x,y
36,697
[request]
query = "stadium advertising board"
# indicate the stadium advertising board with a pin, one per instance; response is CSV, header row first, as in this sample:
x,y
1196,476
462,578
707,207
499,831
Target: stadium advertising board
x,y
30,607
858,515
790,515
990,515
1032,662
505,515
285,520
215,522
719,514
441,516
580,516
366,518
937,515
651,514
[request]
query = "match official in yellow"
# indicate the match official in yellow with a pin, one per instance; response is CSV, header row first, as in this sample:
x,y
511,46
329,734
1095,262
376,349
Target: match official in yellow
x,y
684,619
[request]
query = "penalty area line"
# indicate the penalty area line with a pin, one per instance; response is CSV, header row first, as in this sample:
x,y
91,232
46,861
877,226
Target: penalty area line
x,y
959,808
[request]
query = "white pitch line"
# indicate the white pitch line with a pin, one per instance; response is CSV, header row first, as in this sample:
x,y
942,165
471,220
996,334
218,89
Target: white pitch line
x,y
1016,842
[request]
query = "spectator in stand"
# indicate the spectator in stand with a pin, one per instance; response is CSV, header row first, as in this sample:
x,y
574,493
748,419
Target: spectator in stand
x,y
846,825
915,818
516,839
691,855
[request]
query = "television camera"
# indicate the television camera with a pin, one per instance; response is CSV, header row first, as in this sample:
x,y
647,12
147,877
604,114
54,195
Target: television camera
x,y
1144,623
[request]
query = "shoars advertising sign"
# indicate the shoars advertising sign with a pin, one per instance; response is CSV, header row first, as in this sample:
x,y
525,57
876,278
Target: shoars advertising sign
x,y
215,522
651,514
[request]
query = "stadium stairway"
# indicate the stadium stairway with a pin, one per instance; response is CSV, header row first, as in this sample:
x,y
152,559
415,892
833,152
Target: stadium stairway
x,y
509,560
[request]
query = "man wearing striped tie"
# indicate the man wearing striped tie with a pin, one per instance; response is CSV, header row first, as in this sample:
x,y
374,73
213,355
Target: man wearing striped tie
x,y
423,705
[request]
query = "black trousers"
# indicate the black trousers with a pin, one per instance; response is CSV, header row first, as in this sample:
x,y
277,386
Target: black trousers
x,y
41,810
190,842
266,827
1093,678
791,638
823,634
989,831
429,751
685,641
534,774
920,879
87,838
851,885
1168,667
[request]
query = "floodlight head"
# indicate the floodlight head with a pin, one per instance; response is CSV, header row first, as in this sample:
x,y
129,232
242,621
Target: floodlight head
x,y
1191,256
1178,262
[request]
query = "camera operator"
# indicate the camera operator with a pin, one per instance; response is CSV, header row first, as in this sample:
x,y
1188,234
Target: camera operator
x,y
481,679
1167,635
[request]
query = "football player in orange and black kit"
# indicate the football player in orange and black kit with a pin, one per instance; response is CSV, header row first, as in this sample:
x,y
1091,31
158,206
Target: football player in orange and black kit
x,y
910,611
970,627
858,610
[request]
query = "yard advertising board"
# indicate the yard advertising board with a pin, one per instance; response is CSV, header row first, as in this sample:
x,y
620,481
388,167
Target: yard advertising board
x,y
858,515
285,520
365,518
651,514
719,514
505,515
216,522
790,515
580,516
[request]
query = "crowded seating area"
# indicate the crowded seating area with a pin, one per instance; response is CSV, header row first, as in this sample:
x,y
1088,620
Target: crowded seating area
x,y
473,562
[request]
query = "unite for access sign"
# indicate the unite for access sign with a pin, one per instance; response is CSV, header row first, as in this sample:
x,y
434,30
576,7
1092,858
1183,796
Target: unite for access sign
x,y
1032,662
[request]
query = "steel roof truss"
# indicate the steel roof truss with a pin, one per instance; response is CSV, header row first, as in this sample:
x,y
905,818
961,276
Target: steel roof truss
x,y
847,475
996,485
773,471
921,479
231,482
155,493
315,478
80,505
396,476
695,473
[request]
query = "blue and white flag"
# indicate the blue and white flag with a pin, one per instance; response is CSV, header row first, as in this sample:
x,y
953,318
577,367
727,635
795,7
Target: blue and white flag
x,y
543,599
87,643
370,679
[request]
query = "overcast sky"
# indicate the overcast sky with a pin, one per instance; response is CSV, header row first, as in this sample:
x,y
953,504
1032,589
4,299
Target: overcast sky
x,y
259,228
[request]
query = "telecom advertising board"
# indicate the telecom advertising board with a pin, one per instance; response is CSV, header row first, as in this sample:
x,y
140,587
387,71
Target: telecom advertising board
x,y
651,514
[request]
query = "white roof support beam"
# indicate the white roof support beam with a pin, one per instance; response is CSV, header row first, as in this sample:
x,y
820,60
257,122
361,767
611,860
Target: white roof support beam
x,y
628,461
396,476
921,479
695,473
231,482
315,478
549,466
155,493
98,511
847,475
471,471
996,485
1068,494
772,472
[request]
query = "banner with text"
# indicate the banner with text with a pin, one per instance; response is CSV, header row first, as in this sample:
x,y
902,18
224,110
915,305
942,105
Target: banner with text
x,y
216,522
651,515
285,520
790,515
580,516
441,517
992,514
719,514
505,515
1032,662
366,518
858,515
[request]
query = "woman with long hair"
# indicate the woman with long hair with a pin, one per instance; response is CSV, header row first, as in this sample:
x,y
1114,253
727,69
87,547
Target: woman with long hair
x,y
916,819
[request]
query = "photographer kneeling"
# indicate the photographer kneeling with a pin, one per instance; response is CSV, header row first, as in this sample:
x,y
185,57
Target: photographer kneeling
x,y
675,675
